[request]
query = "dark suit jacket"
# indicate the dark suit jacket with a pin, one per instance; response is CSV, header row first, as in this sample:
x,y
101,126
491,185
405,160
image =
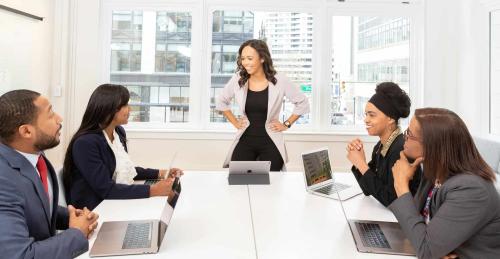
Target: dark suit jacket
x,y
95,164
378,180
465,218
27,230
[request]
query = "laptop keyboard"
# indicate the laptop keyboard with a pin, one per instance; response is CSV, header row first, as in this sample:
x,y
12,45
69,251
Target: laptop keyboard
x,y
372,235
138,235
151,181
332,188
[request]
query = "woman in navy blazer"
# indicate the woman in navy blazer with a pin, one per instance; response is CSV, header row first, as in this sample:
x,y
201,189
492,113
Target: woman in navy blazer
x,y
90,162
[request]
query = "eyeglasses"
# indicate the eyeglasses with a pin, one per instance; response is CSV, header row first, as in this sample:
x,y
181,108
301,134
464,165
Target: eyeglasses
x,y
408,135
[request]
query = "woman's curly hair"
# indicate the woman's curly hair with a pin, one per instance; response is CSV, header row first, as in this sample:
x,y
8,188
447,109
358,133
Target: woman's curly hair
x,y
263,51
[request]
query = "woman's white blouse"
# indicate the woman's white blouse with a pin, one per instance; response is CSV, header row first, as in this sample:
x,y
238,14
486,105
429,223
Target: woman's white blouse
x,y
125,169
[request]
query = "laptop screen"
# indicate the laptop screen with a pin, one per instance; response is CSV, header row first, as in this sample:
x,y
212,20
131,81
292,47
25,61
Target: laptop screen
x,y
165,218
167,213
317,167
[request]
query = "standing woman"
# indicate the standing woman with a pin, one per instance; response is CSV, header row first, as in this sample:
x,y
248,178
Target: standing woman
x,y
259,92
382,114
97,165
456,210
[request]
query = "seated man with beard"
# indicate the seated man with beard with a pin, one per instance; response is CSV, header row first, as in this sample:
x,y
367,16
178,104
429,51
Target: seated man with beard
x,y
29,191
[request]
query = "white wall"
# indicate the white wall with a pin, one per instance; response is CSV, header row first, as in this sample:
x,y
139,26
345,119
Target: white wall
x,y
495,71
27,52
456,60
207,151
25,46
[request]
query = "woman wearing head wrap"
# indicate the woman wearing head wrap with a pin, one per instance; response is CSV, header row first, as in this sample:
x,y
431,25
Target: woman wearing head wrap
x,y
382,114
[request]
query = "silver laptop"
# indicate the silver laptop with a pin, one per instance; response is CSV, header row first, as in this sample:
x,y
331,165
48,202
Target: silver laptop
x,y
131,237
153,181
379,237
320,180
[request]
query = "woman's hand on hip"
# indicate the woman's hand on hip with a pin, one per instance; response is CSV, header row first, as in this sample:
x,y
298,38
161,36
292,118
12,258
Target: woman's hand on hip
x,y
241,122
277,126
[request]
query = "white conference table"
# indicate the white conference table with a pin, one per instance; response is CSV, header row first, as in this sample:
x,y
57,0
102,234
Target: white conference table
x,y
215,220
291,223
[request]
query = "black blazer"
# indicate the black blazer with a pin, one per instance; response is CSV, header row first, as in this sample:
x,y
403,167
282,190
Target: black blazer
x,y
378,181
95,164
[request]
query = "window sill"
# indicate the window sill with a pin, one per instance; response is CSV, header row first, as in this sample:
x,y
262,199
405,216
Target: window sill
x,y
222,134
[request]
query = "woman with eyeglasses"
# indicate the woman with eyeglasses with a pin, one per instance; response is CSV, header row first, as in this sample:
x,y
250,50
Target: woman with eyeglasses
x,y
382,114
456,210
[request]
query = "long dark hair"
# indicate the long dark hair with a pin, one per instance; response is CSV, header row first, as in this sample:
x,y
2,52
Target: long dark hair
x,y
104,103
263,51
448,146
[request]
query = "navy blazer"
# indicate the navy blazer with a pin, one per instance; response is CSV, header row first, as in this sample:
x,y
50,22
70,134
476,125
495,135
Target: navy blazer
x,y
92,179
27,229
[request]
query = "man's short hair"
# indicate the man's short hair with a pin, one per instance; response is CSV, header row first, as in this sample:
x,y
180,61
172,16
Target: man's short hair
x,y
17,108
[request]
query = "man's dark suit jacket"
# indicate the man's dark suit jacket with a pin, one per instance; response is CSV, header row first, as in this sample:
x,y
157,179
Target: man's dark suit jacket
x,y
28,228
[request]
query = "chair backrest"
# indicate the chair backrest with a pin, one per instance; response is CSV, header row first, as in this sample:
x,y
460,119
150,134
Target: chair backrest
x,y
62,193
489,147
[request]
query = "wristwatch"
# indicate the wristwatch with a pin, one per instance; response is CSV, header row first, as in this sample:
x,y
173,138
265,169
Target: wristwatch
x,y
287,124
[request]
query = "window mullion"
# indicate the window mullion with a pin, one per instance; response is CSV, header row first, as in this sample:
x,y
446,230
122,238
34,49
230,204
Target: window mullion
x,y
148,42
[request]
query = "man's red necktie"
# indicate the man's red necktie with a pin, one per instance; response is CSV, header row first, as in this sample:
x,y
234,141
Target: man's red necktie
x,y
42,169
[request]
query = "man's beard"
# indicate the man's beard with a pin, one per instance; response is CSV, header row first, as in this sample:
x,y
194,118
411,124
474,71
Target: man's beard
x,y
45,141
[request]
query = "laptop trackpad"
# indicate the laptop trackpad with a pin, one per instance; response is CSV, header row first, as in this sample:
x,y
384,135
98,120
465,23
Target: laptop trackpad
x,y
111,238
395,234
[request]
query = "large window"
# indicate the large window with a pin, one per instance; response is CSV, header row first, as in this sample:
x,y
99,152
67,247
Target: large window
x,y
158,78
495,72
366,51
289,36
175,58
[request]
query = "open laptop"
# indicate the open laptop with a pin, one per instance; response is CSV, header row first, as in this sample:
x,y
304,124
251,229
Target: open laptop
x,y
131,237
153,181
379,237
319,178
